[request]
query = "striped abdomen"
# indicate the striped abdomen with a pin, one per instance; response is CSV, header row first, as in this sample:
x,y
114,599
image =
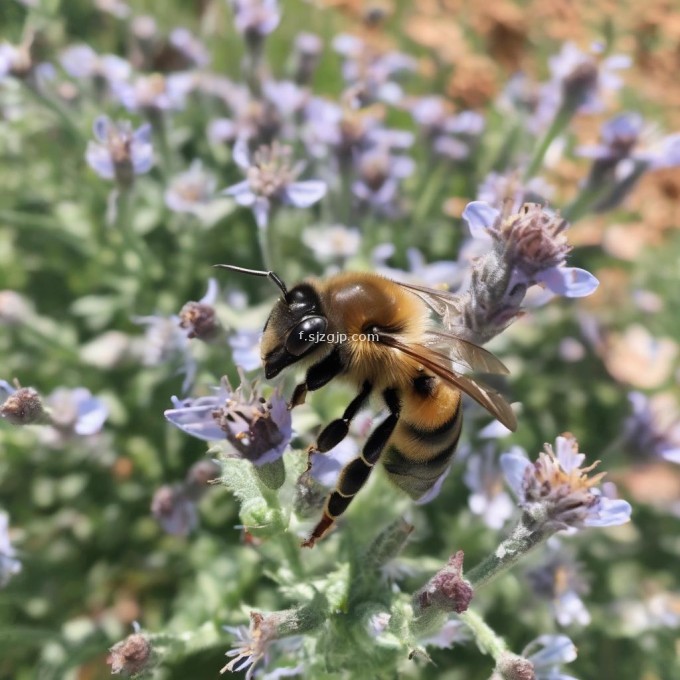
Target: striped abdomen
x,y
426,435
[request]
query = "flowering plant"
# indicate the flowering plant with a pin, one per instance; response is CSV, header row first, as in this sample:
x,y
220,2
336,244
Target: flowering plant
x,y
157,489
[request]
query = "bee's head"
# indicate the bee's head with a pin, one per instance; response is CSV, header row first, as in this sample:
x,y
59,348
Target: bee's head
x,y
294,327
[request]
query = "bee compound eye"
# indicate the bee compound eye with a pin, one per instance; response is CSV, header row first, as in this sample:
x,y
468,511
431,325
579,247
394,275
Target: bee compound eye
x,y
305,335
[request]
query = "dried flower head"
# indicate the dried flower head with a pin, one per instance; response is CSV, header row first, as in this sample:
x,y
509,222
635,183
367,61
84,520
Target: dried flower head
x,y
557,492
514,667
22,405
130,656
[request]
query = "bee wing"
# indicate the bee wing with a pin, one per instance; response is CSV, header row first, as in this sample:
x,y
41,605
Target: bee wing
x,y
444,303
465,353
439,364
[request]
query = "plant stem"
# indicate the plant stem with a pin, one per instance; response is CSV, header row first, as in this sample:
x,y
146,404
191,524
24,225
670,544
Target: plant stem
x,y
69,124
522,540
562,117
487,640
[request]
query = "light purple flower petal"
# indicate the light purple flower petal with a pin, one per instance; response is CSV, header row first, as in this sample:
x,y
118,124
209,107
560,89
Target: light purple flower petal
x,y
99,159
242,193
326,466
194,416
557,649
568,456
568,281
514,465
92,413
143,133
304,194
671,455
100,128
608,512
241,154
245,349
261,211
7,388
480,217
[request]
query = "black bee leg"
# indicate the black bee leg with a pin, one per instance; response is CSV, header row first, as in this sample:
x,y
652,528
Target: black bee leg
x,y
337,430
354,475
317,376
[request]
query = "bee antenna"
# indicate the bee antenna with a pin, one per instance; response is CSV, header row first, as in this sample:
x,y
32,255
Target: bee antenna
x,y
257,272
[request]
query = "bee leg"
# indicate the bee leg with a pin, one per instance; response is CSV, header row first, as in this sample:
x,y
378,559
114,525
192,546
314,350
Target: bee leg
x,y
317,376
354,475
337,430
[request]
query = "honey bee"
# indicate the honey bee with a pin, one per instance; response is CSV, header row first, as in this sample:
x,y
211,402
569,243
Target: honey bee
x,y
379,335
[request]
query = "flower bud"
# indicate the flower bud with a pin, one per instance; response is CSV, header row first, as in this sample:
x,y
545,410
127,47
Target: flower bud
x,y
447,590
199,320
130,656
23,407
513,667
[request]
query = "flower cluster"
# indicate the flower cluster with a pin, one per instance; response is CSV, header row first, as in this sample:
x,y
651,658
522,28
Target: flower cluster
x,y
557,492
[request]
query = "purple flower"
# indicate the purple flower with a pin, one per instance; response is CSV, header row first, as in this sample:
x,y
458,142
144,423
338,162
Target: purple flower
x,y
557,489
534,243
81,61
9,565
379,175
371,70
336,242
559,580
245,349
488,498
183,40
653,428
619,136
76,411
199,319
174,510
547,653
191,191
271,180
450,135
497,190
119,152
258,429
165,341
308,48
255,19
288,98
16,60
155,92
582,79
620,147
452,632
